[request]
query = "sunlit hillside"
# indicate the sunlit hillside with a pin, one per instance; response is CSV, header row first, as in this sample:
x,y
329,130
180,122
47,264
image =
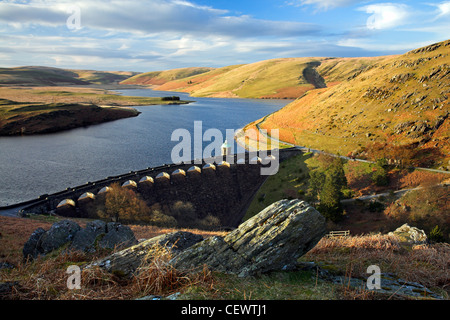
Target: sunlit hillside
x,y
162,77
287,78
401,101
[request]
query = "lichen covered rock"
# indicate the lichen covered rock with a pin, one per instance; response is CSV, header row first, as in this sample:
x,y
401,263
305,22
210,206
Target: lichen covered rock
x,y
272,240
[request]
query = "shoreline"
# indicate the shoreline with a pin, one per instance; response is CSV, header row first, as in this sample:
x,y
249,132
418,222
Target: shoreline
x,y
26,111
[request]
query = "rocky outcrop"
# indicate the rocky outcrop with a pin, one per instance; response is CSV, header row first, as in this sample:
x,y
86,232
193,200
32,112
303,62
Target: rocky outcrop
x,y
97,234
410,234
31,248
127,261
117,236
42,242
272,240
87,238
390,284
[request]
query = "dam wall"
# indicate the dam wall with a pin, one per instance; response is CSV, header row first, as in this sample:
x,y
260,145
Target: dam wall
x,y
212,187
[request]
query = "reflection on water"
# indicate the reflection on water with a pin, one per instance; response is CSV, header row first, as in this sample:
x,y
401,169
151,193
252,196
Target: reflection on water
x,y
35,165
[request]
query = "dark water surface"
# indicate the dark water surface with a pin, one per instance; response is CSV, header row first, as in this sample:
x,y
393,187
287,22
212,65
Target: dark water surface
x,y
35,165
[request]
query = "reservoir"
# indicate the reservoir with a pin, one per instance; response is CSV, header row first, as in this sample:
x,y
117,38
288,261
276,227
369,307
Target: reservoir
x,y
34,165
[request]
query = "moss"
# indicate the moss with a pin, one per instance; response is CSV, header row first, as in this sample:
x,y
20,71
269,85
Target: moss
x,y
98,239
119,273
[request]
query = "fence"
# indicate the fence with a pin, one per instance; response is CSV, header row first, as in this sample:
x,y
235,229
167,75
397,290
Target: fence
x,y
333,234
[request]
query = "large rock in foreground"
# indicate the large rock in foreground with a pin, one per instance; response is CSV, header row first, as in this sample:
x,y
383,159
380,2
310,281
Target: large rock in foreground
x,y
272,240
127,261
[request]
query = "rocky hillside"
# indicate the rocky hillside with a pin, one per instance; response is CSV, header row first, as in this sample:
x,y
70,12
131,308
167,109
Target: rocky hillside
x,y
395,107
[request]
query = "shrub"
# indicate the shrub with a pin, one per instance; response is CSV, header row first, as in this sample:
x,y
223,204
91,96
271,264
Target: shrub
x,y
436,235
184,213
375,206
380,177
173,98
123,204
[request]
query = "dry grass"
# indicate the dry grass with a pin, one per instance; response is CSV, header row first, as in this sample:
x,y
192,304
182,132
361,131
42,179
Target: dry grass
x,y
425,264
46,279
14,232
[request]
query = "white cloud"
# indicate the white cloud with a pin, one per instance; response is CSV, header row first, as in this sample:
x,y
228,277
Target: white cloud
x,y
150,16
385,15
373,46
325,4
443,9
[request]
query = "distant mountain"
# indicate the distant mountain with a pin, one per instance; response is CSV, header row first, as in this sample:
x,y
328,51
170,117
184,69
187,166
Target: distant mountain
x,y
396,106
47,76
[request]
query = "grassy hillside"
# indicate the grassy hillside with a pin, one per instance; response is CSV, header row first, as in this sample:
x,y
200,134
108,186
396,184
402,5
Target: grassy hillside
x,y
161,77
38,76
47,76
104,77
287,78
395,107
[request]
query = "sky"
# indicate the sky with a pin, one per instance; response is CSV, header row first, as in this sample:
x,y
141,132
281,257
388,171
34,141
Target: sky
x,y
153,35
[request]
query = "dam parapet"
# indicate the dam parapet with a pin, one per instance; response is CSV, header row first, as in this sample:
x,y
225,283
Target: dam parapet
x,y
212,186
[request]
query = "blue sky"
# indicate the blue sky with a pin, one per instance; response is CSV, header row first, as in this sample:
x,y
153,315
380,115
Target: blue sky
x,y
149,35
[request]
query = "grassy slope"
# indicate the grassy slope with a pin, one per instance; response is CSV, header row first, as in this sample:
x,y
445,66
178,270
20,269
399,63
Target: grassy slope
x,y
276,78
270,78
104,77
38,76
161,77
407,90
47,76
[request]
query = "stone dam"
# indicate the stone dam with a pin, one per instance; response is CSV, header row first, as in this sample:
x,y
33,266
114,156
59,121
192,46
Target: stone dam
x,y
214,186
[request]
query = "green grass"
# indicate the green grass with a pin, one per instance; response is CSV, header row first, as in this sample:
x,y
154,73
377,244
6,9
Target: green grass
x,y
290,182
164,76
298,285
107,98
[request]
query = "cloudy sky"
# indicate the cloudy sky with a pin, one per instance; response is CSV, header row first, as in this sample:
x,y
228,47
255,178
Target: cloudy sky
x,y
148,35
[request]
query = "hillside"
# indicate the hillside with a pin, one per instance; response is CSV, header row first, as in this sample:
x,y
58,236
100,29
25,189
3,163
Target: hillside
x,y
47,76
396,108
104,77
287,78
162,77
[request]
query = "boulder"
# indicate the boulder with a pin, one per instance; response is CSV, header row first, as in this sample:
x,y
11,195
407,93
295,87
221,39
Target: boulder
x,y
117,236
272,240
410,234
30,249
126,261
87,239
59,234
97,234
